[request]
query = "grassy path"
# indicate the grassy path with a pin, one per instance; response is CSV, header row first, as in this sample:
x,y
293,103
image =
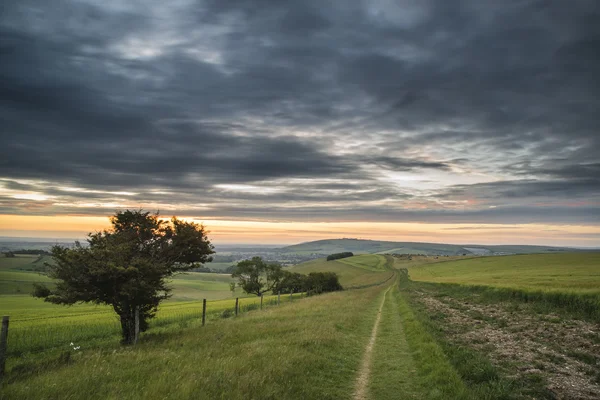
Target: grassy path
x,y
393,372
363,375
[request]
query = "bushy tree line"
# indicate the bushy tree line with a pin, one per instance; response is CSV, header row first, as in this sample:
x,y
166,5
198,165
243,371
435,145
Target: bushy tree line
x,y
337,256
315,282
257,277
31,252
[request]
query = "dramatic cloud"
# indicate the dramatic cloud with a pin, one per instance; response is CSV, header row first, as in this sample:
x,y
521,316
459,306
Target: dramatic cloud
x,y
451,111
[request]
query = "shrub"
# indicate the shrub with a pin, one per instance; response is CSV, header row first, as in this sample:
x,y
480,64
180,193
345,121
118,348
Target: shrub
x,y
337,256
319,282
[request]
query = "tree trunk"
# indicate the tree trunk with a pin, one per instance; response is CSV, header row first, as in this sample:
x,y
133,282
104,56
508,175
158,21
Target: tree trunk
x,y
127,327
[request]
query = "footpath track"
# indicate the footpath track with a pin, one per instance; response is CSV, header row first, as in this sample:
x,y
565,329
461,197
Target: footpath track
x,y
387,370
362,380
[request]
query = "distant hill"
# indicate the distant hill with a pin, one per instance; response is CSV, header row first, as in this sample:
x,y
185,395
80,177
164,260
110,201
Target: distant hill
x,y
358,246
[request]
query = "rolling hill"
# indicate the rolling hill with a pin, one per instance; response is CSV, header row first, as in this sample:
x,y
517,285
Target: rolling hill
x,y
359,246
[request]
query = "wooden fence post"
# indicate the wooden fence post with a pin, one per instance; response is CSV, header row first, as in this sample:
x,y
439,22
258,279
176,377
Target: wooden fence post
x,y
3,346
137,325
237,302
291,294
261,299
278,298
203,311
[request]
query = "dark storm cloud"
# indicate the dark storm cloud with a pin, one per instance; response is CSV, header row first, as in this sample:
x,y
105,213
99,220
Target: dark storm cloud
x,y
308,102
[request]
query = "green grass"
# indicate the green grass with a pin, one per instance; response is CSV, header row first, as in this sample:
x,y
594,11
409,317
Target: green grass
x,y
221,266
351,275
25,262
186,286
483,378
435,372
370,262
196,286
394,371
569,282
19,282
19,261
358,246
44,328
569,272
310,349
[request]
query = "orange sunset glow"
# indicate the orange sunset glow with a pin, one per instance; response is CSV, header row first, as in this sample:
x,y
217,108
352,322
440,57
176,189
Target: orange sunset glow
x,y
262,232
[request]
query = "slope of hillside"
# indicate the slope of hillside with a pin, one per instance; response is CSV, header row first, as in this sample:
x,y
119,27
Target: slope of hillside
x,y
359,246
570,272
353,271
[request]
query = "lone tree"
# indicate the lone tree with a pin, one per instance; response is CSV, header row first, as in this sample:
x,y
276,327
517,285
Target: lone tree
x,y
257,277
127,266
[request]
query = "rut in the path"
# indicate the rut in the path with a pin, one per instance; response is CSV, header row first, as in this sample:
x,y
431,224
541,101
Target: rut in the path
x,y
362,380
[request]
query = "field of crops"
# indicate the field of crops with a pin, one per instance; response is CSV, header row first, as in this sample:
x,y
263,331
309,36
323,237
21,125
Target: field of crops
x,y
569,272
24,262
18,274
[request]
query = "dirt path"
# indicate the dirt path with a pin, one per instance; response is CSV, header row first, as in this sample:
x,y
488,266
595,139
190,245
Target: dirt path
x,y
362,380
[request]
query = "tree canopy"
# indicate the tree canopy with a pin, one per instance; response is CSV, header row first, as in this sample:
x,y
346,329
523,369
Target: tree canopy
x,y
337,256
127,266
257,277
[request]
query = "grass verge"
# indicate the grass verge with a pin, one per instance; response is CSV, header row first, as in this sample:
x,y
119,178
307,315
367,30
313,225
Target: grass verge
x,y
580,305
435,372
484,379
309,349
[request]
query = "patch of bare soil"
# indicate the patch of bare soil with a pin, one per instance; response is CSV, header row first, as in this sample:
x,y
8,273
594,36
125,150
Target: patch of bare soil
x,y
564,352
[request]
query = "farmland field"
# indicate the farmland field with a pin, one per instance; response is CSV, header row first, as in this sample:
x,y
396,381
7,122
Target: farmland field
x,y
441,335
529,324
572,272
353,271
309,349
371,262
18,274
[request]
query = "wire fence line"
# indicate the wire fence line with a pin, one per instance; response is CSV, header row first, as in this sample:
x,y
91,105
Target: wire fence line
x,y
29,338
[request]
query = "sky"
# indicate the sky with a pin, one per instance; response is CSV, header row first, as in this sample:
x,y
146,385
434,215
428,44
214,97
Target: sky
x,y
466,121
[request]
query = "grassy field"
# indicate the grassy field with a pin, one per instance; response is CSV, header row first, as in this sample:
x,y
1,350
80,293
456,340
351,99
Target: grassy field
x,y
39,330
309,349
37,326
370,262
569,272
370,246
456,331
353,271
220,266
358,246
18,274
24,262
513,326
